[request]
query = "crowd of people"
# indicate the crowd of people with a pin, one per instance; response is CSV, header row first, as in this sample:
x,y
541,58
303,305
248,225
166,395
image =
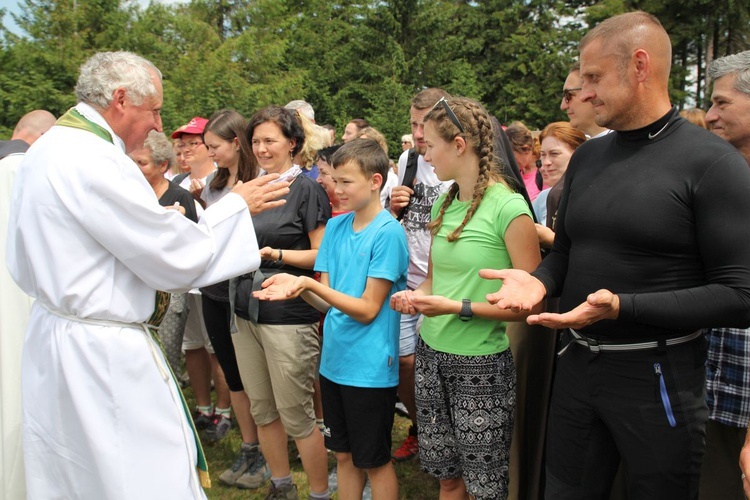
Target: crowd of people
x,y
561,314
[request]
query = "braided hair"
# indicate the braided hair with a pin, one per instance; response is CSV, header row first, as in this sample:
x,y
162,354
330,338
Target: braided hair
x,y
479,136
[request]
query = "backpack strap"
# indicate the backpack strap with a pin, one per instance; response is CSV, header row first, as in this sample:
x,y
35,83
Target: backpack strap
x,y
410,173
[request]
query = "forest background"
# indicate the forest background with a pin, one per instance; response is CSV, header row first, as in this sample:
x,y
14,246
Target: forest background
x,y
349,59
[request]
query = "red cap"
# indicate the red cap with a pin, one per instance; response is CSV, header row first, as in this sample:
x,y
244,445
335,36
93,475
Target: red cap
x,y
194,126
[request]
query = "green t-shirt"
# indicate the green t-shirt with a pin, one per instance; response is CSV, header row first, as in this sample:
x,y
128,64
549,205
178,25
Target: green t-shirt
x,y
455,268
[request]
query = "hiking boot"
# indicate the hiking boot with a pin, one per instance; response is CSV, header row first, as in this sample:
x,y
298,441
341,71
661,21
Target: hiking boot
x,y
202,421
219,428
408,449
256,475
282,493
245,458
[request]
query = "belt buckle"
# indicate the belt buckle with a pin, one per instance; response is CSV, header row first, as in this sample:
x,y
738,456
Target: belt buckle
x,y
593,345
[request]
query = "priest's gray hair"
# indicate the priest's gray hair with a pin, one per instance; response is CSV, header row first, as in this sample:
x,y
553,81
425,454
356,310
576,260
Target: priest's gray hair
x,y
105,72
161,149
735,64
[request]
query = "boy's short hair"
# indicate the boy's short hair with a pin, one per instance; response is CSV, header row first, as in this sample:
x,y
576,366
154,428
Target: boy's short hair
x,y
367,154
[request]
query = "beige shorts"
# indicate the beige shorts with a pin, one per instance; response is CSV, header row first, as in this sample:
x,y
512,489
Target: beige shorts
x,y
278,364
196,335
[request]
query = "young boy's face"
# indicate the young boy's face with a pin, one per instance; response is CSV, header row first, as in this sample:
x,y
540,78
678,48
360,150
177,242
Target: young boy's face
x,y
353,188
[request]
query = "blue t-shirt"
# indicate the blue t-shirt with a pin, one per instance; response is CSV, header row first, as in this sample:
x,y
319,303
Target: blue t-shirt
x,y
355,354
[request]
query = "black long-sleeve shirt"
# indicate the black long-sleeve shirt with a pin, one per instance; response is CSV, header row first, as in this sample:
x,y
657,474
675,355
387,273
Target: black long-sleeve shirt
x,y
664,223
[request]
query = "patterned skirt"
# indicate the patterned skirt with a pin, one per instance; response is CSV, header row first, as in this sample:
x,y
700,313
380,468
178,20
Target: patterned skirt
x,y
465,412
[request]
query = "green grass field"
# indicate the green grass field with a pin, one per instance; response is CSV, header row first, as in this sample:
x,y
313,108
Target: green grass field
x,y
413,483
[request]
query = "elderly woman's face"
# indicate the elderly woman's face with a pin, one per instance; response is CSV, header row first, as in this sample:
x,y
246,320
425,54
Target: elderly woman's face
x,y
153,173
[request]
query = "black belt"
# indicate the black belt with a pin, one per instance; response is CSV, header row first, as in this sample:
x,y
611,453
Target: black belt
x,y
597,346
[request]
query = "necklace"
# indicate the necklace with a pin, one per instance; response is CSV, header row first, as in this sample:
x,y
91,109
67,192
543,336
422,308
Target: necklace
x,y
652,136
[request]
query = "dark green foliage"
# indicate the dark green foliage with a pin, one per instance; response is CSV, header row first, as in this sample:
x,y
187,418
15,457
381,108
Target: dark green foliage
x,y
349,59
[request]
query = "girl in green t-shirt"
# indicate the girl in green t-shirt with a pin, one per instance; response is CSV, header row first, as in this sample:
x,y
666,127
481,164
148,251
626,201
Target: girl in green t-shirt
x,y
465,378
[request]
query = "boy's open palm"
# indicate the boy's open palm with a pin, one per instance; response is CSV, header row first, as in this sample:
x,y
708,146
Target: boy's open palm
x,y
281,287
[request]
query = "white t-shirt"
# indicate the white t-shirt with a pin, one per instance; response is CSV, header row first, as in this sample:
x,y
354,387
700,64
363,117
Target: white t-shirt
x,y
427,188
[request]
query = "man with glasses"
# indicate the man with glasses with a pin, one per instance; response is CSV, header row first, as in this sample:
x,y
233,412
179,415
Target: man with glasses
x,y
580,114
650,248
412,203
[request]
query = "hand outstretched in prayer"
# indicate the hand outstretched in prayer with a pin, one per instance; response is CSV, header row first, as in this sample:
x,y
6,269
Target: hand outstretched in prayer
x,y
521,292
599,305
281,286
262,193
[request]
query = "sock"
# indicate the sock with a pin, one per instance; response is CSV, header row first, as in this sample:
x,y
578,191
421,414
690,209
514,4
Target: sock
x,y
319,496
206,410
224,412
282,482
250,446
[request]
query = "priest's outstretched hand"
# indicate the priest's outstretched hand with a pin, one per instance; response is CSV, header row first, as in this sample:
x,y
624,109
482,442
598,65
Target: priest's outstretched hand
x,y
262,193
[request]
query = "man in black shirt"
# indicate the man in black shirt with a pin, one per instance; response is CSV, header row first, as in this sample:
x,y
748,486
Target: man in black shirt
x,y
651,247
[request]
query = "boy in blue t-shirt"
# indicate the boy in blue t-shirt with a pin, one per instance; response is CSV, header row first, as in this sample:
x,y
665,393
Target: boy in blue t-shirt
x,y
363,260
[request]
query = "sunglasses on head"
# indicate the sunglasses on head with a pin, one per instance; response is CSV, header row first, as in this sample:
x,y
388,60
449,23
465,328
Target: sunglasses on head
x,y
451,115
568,94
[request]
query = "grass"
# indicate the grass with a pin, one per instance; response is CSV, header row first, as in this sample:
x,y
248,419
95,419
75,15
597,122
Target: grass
x,y
413,483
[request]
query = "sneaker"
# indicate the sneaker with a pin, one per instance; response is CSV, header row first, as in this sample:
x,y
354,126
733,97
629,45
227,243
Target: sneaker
x,y
219,428
282,493
333,481
408,449
202,421
246,457
256,475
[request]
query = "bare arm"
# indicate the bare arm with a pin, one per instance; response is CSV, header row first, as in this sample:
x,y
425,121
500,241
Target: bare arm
x,y
523,249
303,259
321,296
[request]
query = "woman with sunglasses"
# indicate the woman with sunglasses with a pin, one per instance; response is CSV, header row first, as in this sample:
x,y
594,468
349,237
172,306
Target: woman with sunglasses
x,y
465,390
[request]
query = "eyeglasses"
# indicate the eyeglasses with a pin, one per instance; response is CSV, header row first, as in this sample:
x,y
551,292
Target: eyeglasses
x,y
568,94
451,115
405,142
192,144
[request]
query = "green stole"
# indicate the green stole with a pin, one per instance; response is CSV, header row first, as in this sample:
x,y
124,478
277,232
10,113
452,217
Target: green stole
x,y
74,119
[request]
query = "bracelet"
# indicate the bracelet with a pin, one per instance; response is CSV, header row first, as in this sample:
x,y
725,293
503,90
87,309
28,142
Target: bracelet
x,y
281,256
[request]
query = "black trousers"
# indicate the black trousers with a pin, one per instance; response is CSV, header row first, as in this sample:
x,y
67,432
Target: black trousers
x,y
216,316
647,408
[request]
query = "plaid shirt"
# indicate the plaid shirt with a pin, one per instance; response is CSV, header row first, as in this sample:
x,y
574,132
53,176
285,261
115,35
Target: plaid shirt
x,y
728,376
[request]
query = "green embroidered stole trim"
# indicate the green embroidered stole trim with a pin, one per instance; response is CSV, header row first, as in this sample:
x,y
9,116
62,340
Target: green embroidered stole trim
x,y
160,310
74,119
